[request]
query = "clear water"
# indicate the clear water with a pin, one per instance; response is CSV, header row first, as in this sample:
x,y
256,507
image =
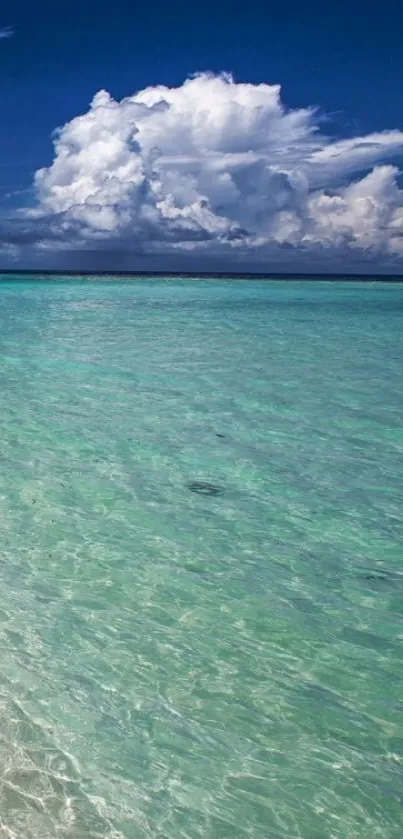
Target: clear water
x,y
182,665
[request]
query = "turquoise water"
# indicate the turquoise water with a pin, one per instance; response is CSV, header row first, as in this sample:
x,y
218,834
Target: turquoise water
x,y
179,664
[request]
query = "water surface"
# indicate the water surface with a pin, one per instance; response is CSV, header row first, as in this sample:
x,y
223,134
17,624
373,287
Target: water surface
x,y
188,663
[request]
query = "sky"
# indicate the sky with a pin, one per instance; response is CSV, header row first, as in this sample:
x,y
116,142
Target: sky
x,y
222,136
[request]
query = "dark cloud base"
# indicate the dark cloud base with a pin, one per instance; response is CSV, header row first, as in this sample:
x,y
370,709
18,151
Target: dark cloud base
x,y
116,261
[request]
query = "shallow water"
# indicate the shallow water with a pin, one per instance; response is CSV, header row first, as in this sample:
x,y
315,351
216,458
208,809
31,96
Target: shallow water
x,y
201,575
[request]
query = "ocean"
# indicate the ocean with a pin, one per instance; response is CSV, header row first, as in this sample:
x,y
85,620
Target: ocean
x,y
201,559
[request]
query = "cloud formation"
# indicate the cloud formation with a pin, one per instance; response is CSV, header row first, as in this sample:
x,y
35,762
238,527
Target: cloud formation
x,y
215,167
6,32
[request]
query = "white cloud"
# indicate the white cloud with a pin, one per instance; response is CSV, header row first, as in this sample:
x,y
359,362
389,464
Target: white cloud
x,y
6,32
216,167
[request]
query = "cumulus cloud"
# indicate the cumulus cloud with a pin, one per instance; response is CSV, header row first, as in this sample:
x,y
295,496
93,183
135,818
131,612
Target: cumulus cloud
x,y
215,167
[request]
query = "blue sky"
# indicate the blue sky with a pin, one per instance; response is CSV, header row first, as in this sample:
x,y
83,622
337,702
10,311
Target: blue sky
x,y
343,59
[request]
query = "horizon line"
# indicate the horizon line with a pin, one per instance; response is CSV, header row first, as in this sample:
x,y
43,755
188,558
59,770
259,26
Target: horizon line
x,y
345,276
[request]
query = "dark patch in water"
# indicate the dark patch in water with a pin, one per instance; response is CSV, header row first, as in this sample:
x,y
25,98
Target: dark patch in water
x,y
385,577
204,488
362,638
221,436
375,578
204,573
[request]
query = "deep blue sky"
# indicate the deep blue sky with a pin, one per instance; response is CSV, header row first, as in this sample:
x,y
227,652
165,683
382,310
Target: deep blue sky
x,y
344,56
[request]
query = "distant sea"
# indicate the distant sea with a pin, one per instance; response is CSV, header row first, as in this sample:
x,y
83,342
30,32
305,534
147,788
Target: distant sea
x,y
201,559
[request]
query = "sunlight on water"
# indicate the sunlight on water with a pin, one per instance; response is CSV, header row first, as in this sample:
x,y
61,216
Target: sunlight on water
x,y
201,571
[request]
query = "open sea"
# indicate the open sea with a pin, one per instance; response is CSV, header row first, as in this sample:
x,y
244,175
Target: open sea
x,y
201,559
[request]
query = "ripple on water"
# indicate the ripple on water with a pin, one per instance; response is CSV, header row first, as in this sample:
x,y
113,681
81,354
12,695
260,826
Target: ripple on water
x,y
228,665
